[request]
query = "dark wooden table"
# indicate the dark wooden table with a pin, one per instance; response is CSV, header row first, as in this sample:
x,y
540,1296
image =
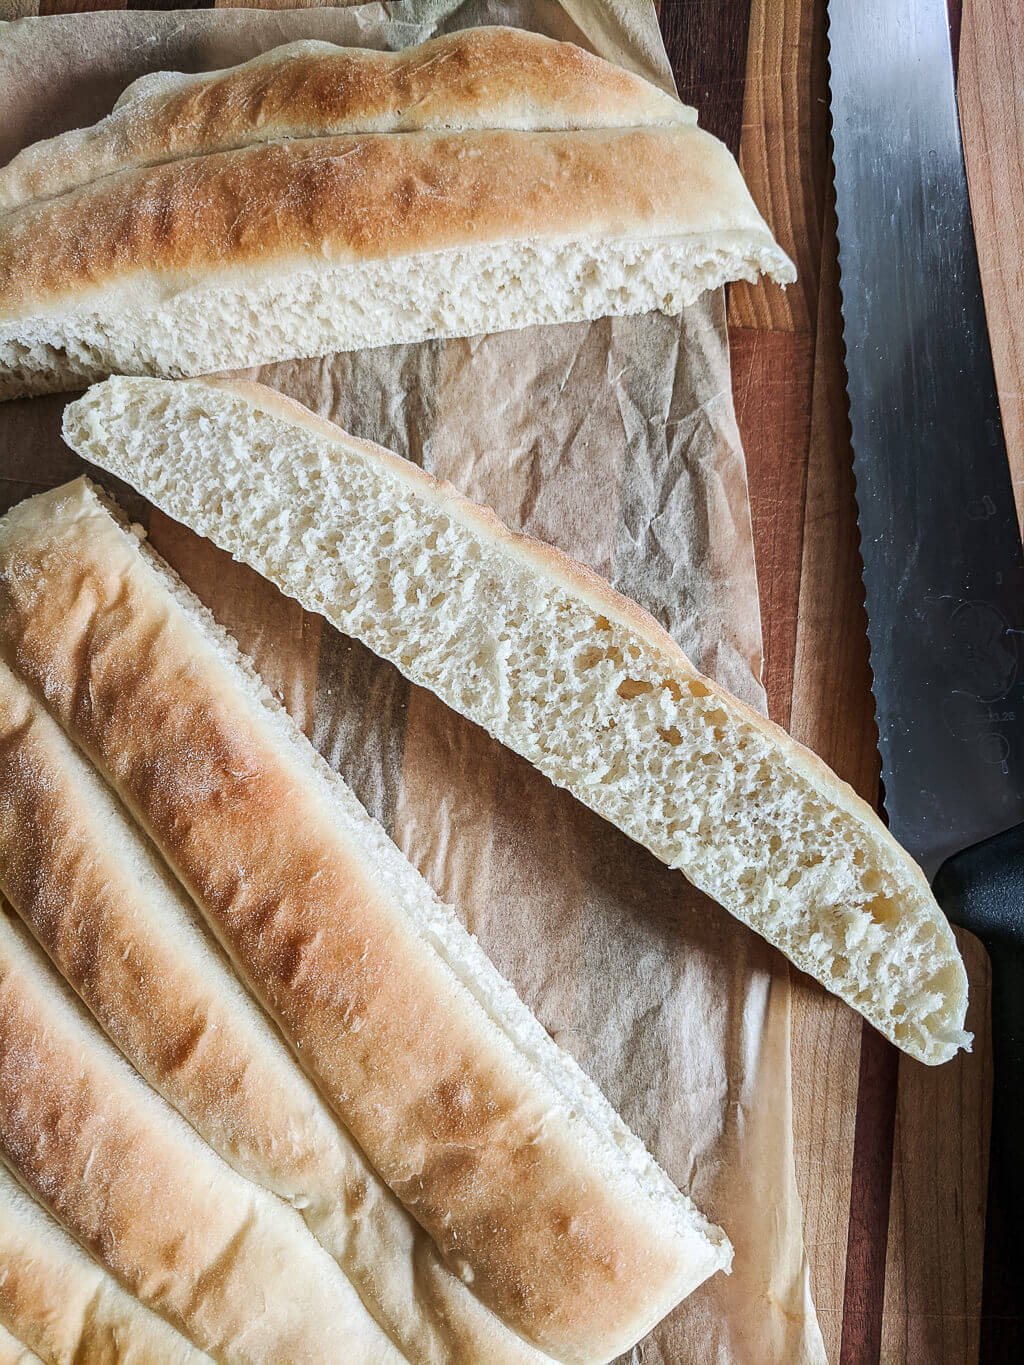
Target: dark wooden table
x,y
890,1155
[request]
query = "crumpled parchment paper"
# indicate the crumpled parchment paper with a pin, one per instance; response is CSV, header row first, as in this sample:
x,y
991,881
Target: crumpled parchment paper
x,y
617,441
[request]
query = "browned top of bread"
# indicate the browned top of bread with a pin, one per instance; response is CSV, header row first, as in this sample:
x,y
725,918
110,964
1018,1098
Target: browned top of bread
x,y
170,1002
230,1266
357,198
57,1300
490,77
119,929
580,1259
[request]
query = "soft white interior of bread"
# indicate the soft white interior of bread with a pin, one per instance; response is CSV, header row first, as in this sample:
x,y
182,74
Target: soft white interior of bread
x,y
574,683
618,1152
179,328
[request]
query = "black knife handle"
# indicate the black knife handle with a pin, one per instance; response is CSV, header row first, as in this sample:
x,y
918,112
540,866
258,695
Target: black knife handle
x,y
982,889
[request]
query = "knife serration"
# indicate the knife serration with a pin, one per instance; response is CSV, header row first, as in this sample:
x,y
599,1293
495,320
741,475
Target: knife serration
x,y
939,536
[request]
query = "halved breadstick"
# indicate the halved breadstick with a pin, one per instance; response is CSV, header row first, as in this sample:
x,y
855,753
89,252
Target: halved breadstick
x,y
251,216
301,248
492,1137
60,1303
544,655
492,77
229,1265
121,931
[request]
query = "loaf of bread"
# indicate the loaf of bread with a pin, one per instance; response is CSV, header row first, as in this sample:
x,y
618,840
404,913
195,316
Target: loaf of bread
x,y
56,1300
120,930
550,660
496,1142
232,1267
319,200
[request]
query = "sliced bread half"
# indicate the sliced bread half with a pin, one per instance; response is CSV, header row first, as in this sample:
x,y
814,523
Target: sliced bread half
x,y
548,658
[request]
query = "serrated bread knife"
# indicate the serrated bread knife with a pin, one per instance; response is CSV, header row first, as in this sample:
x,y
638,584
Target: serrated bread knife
x,y
943,572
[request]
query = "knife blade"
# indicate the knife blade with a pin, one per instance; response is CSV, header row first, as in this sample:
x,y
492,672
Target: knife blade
x,y
939,537
940,544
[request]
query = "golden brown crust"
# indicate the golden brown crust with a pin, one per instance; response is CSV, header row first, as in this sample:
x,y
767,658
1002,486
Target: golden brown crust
x,y
226,1264
55,1298
463,1137
353,199
490,77
83,884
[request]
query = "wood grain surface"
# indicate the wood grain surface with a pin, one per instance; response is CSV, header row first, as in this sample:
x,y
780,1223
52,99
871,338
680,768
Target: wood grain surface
x,y
992,116
890,1155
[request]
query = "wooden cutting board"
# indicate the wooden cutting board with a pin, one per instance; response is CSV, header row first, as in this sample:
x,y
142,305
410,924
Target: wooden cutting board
x,y
890,1155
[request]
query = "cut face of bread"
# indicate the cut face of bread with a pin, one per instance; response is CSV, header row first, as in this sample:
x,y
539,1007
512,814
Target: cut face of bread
x,y
243,317
254,216
546,657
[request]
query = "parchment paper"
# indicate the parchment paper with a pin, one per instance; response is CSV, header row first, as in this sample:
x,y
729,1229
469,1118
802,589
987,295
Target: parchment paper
x,y
617,441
